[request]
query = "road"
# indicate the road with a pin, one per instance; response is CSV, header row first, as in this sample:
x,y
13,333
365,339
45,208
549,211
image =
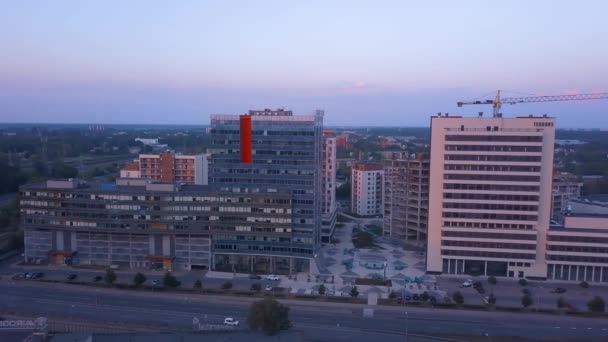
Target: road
x,y
176,311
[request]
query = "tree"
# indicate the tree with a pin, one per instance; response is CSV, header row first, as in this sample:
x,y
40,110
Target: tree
x,y
597,304
354,292
584,284
139,279
523,282
170,281
62,170
269,316
322,289
392,295
227,285
491,299
256,287
198,284
425,296
526,301
458,298
561,303
110,277
492,280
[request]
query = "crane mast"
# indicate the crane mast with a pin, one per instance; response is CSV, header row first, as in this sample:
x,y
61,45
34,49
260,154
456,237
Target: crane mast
x,y
498,101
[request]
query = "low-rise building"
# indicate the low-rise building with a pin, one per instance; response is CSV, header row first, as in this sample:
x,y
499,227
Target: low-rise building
x,y
169,167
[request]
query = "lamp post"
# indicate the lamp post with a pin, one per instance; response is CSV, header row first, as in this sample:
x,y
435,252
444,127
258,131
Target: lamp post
x,y
407,318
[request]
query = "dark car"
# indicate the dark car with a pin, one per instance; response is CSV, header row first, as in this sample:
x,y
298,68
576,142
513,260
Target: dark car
x,y
72,276
477,284
526,292
255,277
97,278
558,290
480,289
37,275
416,297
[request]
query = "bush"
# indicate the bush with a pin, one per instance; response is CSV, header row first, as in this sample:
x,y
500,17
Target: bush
x,y
392,295
597,304
523,282
354,292
227,285
492,299
139,279
425,296
458,298
198,284
526,301
584,284
561,303
492,280
268,315
109,277
170,281
322,289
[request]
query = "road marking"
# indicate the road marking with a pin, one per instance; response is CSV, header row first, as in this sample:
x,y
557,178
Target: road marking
x,y
589,328
556,327
604,329
573,328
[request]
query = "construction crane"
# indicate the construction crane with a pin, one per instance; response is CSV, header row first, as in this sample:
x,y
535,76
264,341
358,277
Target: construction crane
x,y
498,101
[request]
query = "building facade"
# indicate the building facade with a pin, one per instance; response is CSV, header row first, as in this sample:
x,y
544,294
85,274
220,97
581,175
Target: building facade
x,y
151,225
272,151
565,188
490,195
169,167
406,198
366,189
328,181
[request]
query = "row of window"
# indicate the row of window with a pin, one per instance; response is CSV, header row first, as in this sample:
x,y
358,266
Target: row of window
x,y
584,239
490,216
497,245
491,187
582,249
494,168
488,206
497,138
490,158
497,178
493,148
490,197
485,225
483,254
497,236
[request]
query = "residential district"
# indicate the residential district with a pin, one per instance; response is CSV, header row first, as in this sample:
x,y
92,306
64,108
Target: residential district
x,y
481,213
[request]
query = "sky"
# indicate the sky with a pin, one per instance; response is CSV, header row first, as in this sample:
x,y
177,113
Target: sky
x,y
364,62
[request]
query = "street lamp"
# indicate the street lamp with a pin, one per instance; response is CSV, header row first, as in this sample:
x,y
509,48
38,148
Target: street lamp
x,y
407,318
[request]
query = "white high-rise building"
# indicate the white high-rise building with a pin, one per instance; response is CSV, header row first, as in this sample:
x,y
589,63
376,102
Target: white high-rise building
x,y
328,182
366,189
490,195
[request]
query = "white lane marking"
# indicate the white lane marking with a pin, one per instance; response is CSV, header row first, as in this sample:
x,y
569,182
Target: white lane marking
x,y
556,327
573,328
589,328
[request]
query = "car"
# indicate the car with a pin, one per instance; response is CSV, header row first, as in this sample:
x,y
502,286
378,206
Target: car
x,y
231,322
558,290
37,275
467,283
155,282
477,284
272,277
416,297
72,276
407,297
255,277
27,275
480,290
97,278
268,288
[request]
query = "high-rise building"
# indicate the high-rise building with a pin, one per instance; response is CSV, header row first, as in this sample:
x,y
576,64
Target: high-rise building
x,y
490,195
169,167
328,180
406,197
366,189
138,224
270,150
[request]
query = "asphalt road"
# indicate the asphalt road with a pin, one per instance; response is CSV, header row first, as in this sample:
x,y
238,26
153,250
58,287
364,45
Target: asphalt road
x,y
175,311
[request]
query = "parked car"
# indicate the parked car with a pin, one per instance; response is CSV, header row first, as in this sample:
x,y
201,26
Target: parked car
x,y
272,277
231,322
255,277
268,288
558,290
72,276
37,275
477,284
467,283
27,275
480,290
416,296
97,278
155,282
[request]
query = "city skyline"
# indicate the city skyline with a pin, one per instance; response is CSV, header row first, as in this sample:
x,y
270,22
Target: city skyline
x,y
386,64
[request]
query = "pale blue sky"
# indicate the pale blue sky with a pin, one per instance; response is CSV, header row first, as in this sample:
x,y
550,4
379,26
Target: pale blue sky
x,y
364,62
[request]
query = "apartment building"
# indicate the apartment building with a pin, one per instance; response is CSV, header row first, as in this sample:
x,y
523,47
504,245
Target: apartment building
x,y
271,150
577,250
328,181
366,189
138,224
169,167
406,197
490,195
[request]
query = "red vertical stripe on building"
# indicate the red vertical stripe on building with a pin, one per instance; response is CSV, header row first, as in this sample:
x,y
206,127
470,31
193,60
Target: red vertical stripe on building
x,y
246,139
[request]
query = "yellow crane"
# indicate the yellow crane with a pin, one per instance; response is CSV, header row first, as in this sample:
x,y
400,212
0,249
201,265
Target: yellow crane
x,y
498,101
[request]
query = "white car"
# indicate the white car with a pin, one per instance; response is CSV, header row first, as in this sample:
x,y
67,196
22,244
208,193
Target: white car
x,y
268,288
273,277
467,283
231,321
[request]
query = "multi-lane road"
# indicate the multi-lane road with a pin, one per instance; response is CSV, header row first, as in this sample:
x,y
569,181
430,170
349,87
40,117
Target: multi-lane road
x,y
175,311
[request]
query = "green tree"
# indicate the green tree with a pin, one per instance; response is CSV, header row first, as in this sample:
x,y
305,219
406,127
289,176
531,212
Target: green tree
x,y
257,287
392,295
492,280
597,304
322,289
523,282
269,316
526,300
110,277
491,299
227,285
62,170
425,296
198,284
169,280
354,292
561,303
139,279
458,298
